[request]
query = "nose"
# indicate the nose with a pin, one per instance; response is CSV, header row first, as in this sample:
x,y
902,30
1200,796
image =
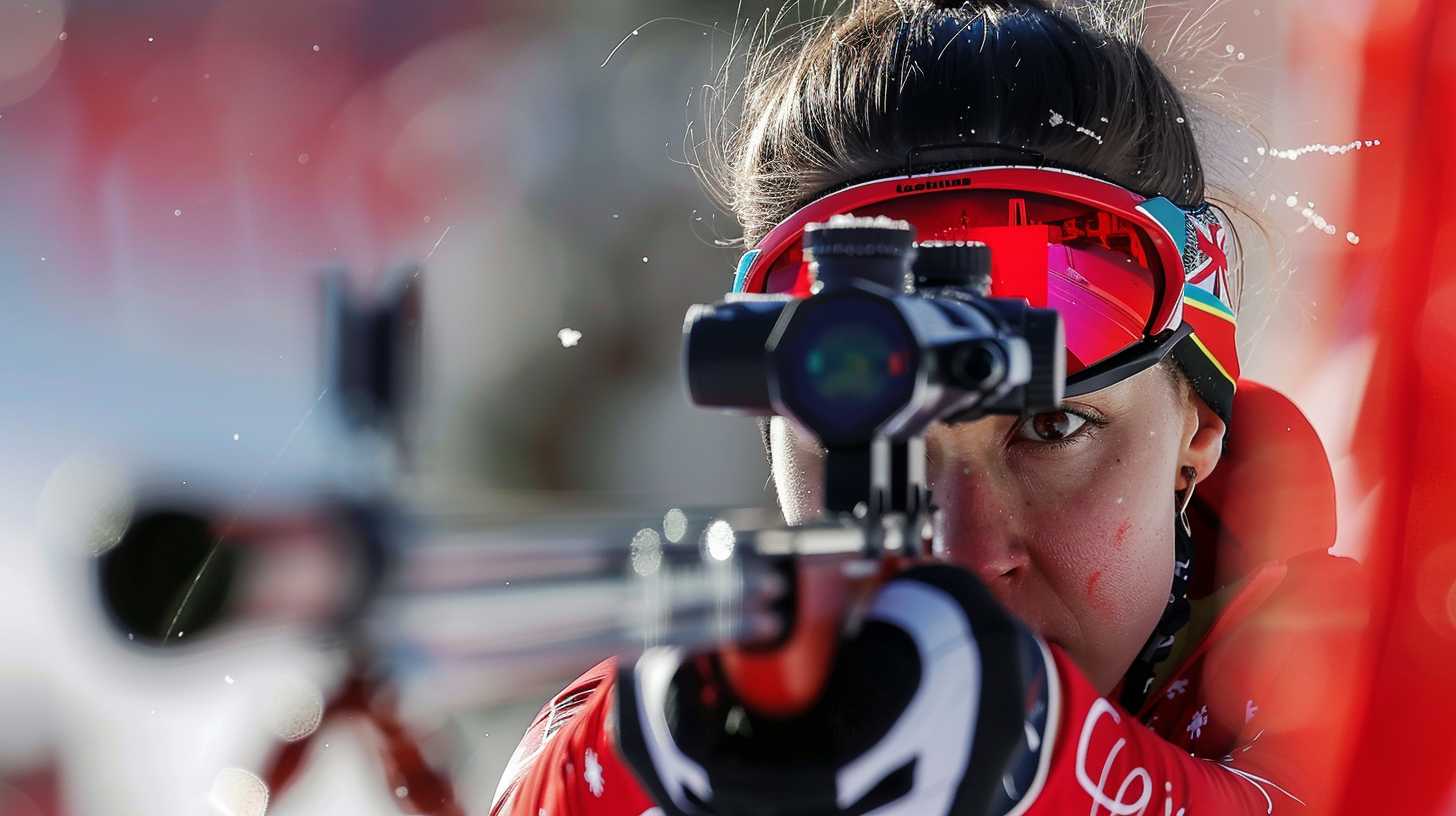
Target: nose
x,y
977,504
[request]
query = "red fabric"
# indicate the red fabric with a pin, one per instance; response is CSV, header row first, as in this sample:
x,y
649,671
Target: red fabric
x,y
1397,287
1237,729
1272,495
567,762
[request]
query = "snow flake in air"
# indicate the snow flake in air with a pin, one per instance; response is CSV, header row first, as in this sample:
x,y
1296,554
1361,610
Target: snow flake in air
x,y
1195,726
1177,687
568,337
1250,710
593,774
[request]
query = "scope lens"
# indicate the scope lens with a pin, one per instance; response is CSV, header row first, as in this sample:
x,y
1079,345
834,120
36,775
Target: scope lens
x,y
852,362
846,365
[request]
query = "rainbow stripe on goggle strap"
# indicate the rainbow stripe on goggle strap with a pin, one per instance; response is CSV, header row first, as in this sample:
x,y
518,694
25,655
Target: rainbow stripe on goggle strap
x,y
745,263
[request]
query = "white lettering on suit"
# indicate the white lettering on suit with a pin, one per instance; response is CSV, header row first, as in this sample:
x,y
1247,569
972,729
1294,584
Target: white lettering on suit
x,y
1098,790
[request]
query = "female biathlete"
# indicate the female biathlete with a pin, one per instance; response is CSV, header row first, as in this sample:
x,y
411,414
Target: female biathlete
x,y
1119,630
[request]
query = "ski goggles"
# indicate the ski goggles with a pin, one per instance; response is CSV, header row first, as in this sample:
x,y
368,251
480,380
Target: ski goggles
x,y
1133,278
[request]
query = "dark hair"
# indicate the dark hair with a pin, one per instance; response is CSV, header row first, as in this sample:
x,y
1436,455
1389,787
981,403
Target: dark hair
x,y
846,96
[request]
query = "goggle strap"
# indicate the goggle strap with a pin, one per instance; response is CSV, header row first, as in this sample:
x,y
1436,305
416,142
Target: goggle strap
x,y
740,277
1172,218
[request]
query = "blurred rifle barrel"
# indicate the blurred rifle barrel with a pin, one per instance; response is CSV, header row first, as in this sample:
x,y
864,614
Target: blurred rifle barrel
x,y
433,598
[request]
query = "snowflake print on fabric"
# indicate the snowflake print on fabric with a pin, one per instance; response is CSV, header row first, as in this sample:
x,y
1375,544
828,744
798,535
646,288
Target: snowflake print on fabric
x,y
1177,687
1195,726
593,774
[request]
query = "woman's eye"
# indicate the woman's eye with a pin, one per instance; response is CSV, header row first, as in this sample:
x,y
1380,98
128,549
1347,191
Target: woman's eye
x,y
1052,426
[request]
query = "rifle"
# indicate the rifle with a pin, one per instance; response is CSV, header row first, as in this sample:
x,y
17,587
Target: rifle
x,y
894,337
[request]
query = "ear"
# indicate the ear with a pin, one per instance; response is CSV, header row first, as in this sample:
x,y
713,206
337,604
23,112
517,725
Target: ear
x,y
1203,432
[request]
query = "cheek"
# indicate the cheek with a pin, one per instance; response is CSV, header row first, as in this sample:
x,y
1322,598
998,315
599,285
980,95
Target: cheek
x,y
1129,572
1105,546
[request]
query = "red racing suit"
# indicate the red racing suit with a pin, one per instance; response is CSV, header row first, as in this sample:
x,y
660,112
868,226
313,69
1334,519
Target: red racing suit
x,y
1249,720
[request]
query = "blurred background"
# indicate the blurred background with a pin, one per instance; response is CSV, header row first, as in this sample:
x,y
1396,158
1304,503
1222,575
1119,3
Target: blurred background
x,y
176,176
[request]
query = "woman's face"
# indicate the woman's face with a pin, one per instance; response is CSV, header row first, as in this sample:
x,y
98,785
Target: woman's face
x,y
1067,517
